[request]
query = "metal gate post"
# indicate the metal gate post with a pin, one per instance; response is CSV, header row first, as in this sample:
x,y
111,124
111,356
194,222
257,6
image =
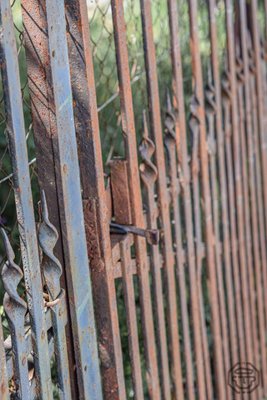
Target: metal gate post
x,y
244,326
223,180
128,128
96,212
65,180
23,198
199,110
82,313
45,136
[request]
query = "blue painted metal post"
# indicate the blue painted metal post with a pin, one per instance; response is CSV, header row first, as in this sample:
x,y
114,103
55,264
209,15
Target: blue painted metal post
x,y
23,198
82,312
96,210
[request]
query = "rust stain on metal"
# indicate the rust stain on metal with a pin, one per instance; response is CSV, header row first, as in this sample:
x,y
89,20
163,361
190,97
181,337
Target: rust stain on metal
x,y
94,196
128,127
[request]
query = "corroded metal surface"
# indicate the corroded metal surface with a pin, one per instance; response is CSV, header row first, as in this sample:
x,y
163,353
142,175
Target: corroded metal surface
x,y
156,134
149,176
82,313
226,106
45,134
23,197
199,110
176,191
128,128
129,295
236,166
253,130
96,212
194,254
220,138
52,271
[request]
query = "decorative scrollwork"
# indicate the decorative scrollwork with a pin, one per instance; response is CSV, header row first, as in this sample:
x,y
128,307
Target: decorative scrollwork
x,y
51,266
14,305
174,170
149,172
251,55
169,123
210,113
240,70
263,49
251,60
226,102
16,309
194,123
55,296
210,99
226,88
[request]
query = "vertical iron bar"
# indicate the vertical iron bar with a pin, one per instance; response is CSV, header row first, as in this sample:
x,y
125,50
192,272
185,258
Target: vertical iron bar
x,y
226,103
94,198
149,175
261,284
253,283
264,75
195,171
260,142
260,292
52,271
257,205
213,290
243,330
175,192
83,314
259,87
128,128
244,54
156,131
23,198
223,181
211,109
245,161
129,296
257,305
45,136
182,152
263,53
265,9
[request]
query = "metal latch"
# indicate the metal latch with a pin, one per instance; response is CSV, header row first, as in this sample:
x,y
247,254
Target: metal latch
x,y
121,204
151,235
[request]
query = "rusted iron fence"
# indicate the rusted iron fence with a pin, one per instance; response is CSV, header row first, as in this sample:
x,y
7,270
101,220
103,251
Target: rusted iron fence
x,y
133,150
